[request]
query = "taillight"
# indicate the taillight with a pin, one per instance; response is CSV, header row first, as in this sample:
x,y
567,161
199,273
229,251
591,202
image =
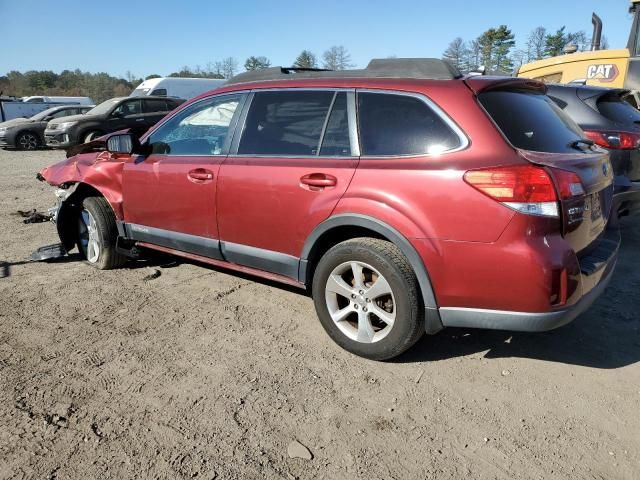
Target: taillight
x,y
614,140
526,188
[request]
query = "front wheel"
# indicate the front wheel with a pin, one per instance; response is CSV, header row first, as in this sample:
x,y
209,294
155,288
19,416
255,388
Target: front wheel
x,y
97,234
27,141
366,296
89,137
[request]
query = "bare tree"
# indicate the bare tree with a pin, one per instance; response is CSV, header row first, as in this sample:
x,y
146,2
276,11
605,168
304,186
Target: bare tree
x,y
337,58
455,53
228,67
536,44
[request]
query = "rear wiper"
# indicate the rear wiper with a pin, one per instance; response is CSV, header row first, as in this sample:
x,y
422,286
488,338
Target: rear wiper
x,y
581,141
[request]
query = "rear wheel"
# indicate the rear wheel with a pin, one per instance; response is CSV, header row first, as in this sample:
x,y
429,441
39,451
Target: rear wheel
x,y
97,234
27,141
366,296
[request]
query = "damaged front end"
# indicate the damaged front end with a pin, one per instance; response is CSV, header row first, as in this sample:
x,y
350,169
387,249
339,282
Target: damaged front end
x,y
80,176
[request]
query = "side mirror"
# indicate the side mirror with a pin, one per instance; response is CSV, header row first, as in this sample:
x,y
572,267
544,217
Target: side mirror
x,y
123,143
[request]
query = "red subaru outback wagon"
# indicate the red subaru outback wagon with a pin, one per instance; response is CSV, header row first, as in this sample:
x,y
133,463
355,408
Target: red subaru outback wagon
x,y
406,197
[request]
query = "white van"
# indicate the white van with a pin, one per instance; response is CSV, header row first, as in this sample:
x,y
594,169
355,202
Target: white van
x,y
59,100
185,88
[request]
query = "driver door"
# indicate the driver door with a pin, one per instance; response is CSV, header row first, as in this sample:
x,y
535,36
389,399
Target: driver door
x,y
127,115
170,194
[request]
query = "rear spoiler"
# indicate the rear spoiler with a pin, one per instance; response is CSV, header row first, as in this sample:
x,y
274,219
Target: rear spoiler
x,y
484,84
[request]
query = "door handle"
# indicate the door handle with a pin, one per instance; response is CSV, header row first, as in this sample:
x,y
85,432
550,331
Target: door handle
x,y
139,119
201,174
318,181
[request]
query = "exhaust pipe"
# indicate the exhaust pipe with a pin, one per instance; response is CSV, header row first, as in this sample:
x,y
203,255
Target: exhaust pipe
x,y
597,32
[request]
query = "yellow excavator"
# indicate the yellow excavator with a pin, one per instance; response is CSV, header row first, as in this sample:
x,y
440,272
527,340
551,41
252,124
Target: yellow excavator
x,y
619,68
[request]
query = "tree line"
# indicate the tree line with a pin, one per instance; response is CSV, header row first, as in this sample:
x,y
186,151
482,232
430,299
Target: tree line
x,y
496,48
102,86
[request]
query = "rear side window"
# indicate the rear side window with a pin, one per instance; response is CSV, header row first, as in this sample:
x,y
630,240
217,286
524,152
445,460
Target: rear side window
x,y
531,121
393,124
151,106
336,136
617,110
285,123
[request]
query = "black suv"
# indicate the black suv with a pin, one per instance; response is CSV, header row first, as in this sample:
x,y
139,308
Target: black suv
x,y
134,113
610,122
28,133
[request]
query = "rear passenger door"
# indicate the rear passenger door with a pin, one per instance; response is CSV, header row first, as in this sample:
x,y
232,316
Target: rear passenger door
x,y
291,160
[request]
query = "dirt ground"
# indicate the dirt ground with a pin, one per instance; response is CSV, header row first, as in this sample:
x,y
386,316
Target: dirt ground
x,y
198,373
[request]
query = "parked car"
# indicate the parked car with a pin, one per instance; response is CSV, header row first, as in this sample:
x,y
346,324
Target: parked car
x,y
137,114
405,197
55,99
186,88
612,123
28,133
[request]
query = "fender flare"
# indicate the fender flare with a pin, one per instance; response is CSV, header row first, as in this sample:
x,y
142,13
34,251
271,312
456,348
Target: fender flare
x,y
433,323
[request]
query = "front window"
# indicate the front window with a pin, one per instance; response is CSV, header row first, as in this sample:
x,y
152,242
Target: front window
x,y
130,107
200,129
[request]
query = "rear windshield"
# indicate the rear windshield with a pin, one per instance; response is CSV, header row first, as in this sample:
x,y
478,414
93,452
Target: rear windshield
x,y
617,110
531,121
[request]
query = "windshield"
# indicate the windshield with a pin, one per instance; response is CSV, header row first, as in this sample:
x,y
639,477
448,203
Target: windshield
x,y
140,92
104,107
617,110
41,115
531,121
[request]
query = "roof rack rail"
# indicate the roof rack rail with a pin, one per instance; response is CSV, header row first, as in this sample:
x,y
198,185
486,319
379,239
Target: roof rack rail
x,y
414,68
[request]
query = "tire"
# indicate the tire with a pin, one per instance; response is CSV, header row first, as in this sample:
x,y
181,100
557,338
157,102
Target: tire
x,y
27,141
90,136
97,234
378,320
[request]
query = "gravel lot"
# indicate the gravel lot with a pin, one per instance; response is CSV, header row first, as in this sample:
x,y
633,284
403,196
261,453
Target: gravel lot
x,y
203,374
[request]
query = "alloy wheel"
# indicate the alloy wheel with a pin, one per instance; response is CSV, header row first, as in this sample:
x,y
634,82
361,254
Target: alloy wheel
x,y
28,141
89,236
360,302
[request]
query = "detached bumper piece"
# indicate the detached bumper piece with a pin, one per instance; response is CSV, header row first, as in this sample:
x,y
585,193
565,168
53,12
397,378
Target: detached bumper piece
x,y
49,252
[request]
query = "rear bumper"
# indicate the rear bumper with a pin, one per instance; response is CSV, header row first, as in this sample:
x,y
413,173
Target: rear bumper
x,y
597,271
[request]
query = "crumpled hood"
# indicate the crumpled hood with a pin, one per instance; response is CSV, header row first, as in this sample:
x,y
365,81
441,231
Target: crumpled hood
x,y
101,171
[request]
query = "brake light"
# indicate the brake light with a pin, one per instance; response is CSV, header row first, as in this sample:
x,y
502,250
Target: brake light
x,y
525,188
614,140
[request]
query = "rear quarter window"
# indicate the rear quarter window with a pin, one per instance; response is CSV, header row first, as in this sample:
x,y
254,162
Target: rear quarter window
x,y
531,121
392,124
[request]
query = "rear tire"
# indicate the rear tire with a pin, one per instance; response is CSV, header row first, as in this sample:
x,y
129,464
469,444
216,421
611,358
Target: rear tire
x,y
97,234
366,296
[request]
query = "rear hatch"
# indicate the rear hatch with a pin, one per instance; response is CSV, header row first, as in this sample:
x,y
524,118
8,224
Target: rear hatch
x,y
544,135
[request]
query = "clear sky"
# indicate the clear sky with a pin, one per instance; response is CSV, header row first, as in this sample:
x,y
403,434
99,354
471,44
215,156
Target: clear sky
x,y
160,36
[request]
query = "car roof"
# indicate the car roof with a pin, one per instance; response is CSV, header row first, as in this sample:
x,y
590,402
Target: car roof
x,y
391,68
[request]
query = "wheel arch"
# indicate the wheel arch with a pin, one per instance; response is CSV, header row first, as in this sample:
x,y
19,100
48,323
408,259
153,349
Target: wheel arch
x,y
346,226
69,208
